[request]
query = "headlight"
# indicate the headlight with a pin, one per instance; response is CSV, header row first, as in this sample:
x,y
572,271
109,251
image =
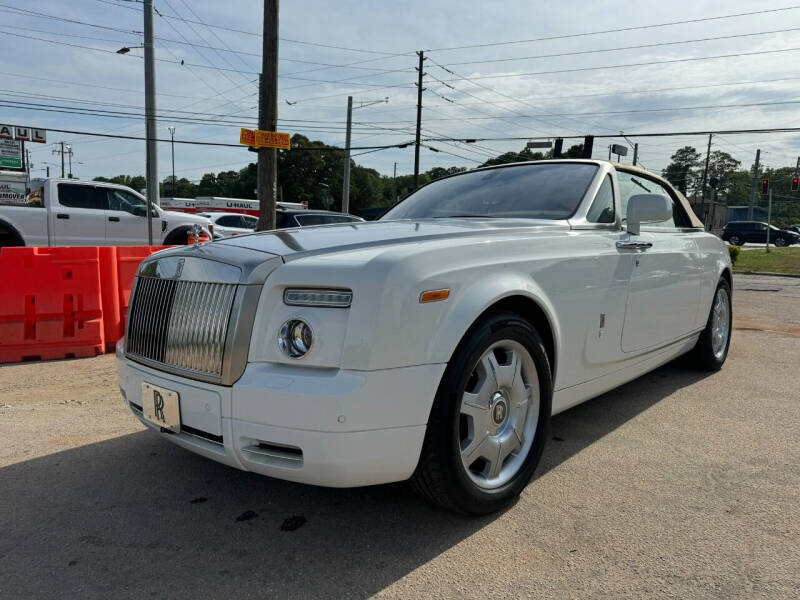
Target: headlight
x,y
295,338
317,297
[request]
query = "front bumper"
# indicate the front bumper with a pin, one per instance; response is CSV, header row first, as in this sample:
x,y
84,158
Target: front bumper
x,y
324,427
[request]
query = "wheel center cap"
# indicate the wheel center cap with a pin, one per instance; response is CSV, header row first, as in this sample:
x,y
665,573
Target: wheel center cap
x,y
499,408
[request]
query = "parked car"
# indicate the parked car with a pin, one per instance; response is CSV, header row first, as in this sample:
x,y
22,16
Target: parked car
x,y
69,212
285,218
230,224
793,228
433,344
739,233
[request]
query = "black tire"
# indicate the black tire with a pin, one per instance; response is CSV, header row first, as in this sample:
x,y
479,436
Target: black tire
x,y
440,476
735,240
177,237
703,356
9,236
780,242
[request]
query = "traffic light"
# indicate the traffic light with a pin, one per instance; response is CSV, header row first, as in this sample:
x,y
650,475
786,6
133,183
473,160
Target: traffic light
x,y
795,184
764,186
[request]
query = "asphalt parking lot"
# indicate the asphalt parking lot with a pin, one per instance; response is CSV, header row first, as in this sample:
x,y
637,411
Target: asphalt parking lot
x,y
679,484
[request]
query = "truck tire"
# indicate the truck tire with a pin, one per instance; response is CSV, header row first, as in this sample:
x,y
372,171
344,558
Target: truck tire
x,y
177,237
489,421
9,236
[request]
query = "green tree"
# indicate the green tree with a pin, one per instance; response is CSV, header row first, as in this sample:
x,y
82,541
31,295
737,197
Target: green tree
x,y
682,171
135,182
722,166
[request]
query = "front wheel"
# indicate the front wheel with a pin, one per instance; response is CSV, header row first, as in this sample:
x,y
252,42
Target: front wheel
x,y
735,240
780,242
488,424
712,347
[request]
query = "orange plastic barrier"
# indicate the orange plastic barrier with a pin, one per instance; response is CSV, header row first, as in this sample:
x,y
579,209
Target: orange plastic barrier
x,y
65,302
50,304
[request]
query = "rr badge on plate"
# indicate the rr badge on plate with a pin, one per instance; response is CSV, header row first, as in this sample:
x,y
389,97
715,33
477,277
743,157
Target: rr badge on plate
x,y
161,406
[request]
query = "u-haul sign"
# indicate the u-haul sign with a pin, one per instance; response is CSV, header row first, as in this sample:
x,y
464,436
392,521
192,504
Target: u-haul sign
x,y
23,134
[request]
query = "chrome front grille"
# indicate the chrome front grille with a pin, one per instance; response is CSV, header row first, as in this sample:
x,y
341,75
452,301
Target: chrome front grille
x,y
180,324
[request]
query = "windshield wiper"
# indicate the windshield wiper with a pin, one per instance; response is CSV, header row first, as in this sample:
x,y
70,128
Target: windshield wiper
x,y
640,185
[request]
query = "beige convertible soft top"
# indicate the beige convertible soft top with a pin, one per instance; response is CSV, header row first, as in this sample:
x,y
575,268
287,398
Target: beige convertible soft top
x,y
696,222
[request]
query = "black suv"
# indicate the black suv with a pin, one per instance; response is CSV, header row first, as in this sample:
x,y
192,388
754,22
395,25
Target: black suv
x,y
739,233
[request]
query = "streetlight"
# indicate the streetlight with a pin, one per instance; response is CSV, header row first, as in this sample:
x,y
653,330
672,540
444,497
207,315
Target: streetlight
x,y
126,49
172,143
151,159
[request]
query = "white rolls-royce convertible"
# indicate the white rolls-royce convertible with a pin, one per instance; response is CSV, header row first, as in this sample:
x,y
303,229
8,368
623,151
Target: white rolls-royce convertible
x,y
434,344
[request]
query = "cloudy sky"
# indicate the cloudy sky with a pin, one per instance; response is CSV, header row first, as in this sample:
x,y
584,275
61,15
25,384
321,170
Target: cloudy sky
x,y
489,75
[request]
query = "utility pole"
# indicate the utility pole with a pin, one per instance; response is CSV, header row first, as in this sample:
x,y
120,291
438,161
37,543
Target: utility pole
x,y
769,214
172,143
609,152
705,176
346,178
69,153
394,184
421,55
268,117
754,189
635,153
150,116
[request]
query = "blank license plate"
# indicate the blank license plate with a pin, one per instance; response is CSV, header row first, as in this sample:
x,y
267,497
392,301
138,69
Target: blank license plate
x,y
161,406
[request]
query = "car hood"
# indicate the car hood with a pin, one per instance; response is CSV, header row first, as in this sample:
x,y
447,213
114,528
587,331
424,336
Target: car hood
x,y
174,215
348,236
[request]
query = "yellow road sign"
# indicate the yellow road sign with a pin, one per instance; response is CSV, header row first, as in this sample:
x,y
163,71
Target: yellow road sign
x,y
265,139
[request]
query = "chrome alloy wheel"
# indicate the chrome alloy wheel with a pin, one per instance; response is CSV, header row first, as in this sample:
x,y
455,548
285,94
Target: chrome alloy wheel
x,y
499,413
720,322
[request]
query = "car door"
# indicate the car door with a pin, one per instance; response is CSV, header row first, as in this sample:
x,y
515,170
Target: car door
x,y
666,276
759,233
126,218
79,217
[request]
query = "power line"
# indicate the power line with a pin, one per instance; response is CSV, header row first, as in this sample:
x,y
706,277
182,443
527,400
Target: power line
x,y
222,144
617,112
634,135
620,48
621,66
39,15
618,30
641,91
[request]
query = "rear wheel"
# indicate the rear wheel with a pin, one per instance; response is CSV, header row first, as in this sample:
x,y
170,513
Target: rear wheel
x,y
9,236
488,425
735,240
712,348
780,242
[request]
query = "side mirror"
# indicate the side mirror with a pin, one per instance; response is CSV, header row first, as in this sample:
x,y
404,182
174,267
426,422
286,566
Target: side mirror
x,y
647,208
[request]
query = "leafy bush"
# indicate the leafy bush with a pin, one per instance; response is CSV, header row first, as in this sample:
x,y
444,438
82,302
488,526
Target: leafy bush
x,y
734,252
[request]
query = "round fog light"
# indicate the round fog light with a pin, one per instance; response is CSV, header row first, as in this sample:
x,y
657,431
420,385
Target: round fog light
x,y
295,338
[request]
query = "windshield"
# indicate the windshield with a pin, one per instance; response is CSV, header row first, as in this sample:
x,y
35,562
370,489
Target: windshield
x,y
534,191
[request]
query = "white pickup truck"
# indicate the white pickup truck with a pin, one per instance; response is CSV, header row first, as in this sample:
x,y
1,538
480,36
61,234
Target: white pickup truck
x,y
69,212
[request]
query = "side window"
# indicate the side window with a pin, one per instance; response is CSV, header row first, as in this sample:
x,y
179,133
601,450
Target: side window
x,y
250,222
602,209
308,220
229,221
81,196
125,201
630,185
282,220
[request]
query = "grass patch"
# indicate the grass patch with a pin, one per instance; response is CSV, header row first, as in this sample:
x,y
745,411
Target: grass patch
x,y
779,260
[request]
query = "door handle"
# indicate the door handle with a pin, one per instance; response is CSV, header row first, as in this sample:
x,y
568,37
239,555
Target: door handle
x,y
62,216
115,219
634,245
